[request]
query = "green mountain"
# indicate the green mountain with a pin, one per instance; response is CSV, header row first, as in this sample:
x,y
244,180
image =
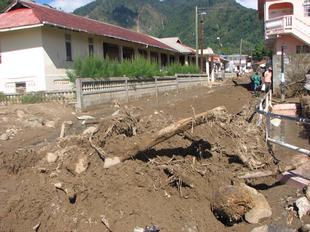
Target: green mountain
x,y
225,19
4,4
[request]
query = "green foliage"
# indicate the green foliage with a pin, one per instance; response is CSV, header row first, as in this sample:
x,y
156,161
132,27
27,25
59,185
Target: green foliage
x,y
4,4
3,98
32,98
260,52
180,69
225,19
95,67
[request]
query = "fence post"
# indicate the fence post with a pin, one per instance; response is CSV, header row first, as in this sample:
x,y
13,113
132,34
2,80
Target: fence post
x,y
267,126
127,89
79,94
177,82
156,89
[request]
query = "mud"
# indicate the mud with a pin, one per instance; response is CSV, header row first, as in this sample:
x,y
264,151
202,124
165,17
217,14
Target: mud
x,y
171,185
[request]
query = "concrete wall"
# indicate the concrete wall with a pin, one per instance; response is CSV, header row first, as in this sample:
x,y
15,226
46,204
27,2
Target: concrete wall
x,y
22,60
92,93
295,67
290,42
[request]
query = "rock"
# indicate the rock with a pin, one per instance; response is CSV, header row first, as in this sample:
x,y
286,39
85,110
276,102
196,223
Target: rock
x,y
20,113
81,166
303,206
5,119
272,228
261,207
109,162
89,130
85,117
260,229
305,228
53,175
115,113
51,157
11,132
50,124
307,192
58,185
4,137
231,202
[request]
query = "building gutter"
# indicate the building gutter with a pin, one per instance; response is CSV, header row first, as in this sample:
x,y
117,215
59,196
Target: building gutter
x,y
21,27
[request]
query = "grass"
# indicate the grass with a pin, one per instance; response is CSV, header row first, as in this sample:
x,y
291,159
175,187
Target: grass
x,y
31,98
95,67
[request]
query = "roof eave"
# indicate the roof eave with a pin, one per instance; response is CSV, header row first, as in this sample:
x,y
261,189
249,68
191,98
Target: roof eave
x,y
20,27
114,37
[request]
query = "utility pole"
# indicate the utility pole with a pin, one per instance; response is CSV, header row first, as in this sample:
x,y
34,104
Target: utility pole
x,y
201,44
197,41
240,55
282,75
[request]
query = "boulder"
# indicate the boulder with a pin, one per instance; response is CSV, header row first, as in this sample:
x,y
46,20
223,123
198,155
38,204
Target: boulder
x,y
231,202
50,124
82,165
303,206
20,113
51,157
261,207
4,137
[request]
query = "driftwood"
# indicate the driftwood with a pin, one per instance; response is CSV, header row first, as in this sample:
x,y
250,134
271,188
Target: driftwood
x,y
63,128
280,169
218,113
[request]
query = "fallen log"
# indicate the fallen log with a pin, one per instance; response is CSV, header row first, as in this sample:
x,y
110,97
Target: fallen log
x,y
149,141
296,163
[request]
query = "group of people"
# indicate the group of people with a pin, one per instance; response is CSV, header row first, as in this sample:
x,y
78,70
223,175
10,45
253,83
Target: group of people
x,y
263,82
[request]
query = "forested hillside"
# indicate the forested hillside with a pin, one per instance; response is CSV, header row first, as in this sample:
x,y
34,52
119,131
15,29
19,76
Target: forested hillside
x,y
225,19
4,4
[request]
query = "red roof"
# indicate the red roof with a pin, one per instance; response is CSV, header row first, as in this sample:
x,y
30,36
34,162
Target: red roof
x,y
27,14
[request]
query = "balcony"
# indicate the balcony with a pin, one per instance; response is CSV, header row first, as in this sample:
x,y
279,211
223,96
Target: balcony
x,y
287,24
279,25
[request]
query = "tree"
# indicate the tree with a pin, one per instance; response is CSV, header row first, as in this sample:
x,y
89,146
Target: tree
x,y
4,4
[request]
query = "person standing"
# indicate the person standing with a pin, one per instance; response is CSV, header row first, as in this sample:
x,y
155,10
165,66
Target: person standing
x,y
256,81
267,79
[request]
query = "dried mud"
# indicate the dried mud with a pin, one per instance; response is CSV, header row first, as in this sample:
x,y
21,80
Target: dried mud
x,y
171,185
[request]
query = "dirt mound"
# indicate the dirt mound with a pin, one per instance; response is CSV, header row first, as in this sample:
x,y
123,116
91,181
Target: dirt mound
x,y
173,181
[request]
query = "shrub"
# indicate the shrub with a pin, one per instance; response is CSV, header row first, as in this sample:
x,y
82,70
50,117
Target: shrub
x,y
173,69
32,98
3,98
95,67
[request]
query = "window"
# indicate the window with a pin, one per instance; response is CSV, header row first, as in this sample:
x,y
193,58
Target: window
x,y
307,7
90,46
303,49
68,47
20,87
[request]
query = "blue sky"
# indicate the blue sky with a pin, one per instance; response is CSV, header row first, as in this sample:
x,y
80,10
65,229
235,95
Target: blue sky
x,y
70,5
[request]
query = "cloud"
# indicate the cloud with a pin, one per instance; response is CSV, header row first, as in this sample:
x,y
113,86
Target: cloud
x,y
248,3
69,5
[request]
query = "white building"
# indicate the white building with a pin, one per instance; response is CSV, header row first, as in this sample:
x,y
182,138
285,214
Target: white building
x,y
38,44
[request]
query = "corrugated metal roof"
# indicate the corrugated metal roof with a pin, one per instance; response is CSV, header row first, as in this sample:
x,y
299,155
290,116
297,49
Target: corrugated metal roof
x,y
31,13
18,18
176,43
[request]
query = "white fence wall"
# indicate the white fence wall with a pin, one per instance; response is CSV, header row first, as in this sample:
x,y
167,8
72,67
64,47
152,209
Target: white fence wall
x,y
91,92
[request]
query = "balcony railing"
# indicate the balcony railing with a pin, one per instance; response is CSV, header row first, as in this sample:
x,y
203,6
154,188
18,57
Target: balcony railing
x,y
278,25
